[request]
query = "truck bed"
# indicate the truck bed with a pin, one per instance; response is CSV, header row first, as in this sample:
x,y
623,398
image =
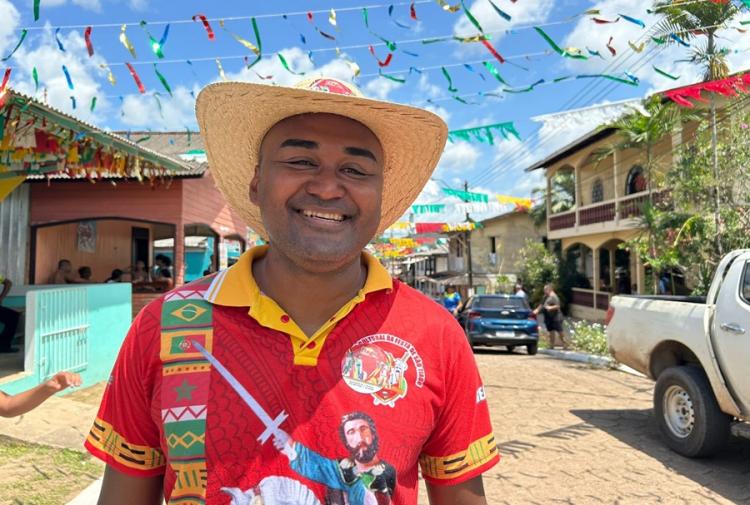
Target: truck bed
x,y
669,298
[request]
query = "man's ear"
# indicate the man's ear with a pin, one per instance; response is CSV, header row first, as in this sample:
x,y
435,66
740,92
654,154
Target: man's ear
x,y
253,190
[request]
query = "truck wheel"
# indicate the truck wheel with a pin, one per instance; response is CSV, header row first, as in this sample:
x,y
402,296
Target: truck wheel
x,y
687,413
531,349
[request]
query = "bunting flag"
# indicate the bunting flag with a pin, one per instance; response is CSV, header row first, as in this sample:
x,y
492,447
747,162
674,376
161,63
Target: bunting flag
x,y
36,10
110,75
468,226
157,99
492,70
594,53
24,32
677,39
435,208
666,74
384,63
67,78
601,21
526,89
391,77
400,225
125,41
633,20
136,78
396,21
321,32
447,7
483,134
403,242
413,12
467,196
450,81
471,69
471,18
730,86
415,55
659,40
73,102
35,76
156,46
221,70
163,80
351,64
87,40
332,19
286,65
500,12
206,25
422,228
611,49
629,82
514,200
638,49
493,52
92,106
571,53
59,42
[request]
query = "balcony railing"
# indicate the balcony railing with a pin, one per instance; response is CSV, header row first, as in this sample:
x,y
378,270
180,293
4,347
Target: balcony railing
x,y
562,221
597,214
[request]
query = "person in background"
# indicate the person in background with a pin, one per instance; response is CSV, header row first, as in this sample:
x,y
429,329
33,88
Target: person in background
x,y
84,274
163,277
8,317
520,292
16,405
116,276
139,273
64,274
553,316
452,300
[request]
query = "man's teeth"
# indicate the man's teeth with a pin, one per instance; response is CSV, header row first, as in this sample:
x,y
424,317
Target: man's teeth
x,y
323,215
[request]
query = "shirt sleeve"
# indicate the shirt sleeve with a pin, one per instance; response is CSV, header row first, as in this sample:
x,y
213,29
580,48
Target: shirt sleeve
x,y
124,434
462,445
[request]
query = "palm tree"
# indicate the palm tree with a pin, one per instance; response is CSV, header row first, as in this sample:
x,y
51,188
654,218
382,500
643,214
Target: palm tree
x,y
693,20
562,197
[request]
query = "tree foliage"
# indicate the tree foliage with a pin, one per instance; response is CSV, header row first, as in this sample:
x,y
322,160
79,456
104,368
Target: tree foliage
x,y
539,267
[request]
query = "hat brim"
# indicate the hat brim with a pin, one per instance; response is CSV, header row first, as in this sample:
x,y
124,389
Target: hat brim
x,y
234,117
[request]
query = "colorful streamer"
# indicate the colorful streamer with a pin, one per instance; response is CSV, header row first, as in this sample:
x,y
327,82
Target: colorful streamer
x,y
24,32
434,208
491,69
332,19
483,134
87,39
415,55
136,78
500,12
594,53
601,21
4,86
286,65
73,102
413,12
730,86
351,64
391,77
110,75
629,82
396,21
67,77
666,74
59,42
492,50
414,70
206,25
451,88
156,47
472,19
35,76
249,45
221,70
384,63
526,89
638,49
575,54
36,10
447,7
163,80
659,40
633,20
611,49
126,42
93,104
471,69
677,39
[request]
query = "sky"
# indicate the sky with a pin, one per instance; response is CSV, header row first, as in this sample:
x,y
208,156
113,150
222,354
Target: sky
x,y
541,116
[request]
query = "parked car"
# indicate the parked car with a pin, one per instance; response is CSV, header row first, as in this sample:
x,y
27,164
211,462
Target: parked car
x,y
697,349
500,320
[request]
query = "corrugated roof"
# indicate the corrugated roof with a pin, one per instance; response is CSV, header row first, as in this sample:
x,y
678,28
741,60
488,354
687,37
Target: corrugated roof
x,y
178,145
175,166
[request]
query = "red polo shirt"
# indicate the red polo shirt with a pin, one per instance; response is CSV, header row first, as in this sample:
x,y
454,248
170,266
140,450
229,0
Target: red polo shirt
x,y
342,416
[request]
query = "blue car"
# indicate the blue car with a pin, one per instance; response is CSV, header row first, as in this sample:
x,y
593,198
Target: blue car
x,y
500,320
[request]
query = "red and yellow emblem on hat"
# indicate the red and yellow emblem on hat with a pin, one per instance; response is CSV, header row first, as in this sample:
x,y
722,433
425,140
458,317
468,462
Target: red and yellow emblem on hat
x,y
330,85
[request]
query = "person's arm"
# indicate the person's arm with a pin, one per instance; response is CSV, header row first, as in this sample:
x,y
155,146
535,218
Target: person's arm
x,y
12,406
119,488
6,289
470,492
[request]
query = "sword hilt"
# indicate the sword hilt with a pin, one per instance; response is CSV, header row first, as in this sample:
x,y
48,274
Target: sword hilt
x,y
273,428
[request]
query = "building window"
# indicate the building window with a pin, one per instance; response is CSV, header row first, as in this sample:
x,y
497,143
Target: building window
x,y
597,191
636,182
493,245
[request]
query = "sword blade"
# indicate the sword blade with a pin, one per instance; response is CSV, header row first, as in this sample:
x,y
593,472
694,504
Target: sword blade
x,y
272,425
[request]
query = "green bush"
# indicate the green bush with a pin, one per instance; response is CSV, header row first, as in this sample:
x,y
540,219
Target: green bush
x,y
588,337
538,267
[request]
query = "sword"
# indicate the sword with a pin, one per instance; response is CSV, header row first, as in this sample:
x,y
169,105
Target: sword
x,y
272,425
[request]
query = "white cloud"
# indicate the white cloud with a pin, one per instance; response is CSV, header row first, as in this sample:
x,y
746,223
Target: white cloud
x,y
457,157
48,60
527,12
427,90
92,5
10,16
177,111
440,111
138,5
380,88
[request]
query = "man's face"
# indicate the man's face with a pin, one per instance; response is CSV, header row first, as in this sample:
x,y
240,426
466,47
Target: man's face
x,y
360,440
319,188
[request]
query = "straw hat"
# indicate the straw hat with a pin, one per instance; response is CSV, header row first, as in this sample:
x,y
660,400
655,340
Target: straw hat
x,y
234,118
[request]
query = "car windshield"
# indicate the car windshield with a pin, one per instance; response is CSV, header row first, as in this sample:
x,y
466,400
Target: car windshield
x,y
500,303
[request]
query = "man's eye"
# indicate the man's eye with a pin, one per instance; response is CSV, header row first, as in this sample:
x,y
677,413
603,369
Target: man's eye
x,y
304,163
354,171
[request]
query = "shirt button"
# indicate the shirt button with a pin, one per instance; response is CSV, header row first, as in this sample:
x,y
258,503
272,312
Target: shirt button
x,y
284,318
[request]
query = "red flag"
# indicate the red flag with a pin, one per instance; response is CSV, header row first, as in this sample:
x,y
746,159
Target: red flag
x,y
87,38
413,11
611,49
206,25
492,50
137,79
383,63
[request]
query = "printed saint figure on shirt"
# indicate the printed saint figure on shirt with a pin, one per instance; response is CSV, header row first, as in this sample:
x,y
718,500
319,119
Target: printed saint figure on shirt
x,y
362,478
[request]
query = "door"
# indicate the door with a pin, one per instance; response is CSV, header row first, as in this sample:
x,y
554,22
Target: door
x,y
141,242
732,330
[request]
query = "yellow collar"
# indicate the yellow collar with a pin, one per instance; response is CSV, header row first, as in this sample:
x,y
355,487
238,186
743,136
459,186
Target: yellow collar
x,y
236,286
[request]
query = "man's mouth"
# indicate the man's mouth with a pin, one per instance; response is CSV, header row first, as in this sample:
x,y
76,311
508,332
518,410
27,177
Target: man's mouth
x,y
325,216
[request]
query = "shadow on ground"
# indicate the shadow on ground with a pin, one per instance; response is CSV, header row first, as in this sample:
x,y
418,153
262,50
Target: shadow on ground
x,y
726,474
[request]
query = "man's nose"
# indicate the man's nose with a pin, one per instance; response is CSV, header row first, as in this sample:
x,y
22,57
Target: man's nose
x,y
326,184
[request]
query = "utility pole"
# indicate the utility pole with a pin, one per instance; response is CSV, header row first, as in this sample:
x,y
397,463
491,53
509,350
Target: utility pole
x,y
467,241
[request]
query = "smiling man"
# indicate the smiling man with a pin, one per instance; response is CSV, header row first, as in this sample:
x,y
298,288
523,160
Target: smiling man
x,y
243,385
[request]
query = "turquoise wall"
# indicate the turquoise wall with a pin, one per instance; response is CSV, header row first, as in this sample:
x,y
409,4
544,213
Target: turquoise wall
x,y
109,317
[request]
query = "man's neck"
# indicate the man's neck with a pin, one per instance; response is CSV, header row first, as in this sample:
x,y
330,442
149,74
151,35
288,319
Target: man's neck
x,y
309,298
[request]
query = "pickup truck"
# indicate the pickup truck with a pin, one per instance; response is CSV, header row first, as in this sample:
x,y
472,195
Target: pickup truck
x,y
697,349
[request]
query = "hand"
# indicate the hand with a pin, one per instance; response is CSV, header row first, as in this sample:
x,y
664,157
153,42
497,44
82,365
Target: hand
x,y
285,444
63,380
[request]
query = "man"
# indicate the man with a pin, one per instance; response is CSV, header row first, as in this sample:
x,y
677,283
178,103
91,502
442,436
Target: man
x,y
452,300
520,292
8,318
215,375
64,274
553,317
